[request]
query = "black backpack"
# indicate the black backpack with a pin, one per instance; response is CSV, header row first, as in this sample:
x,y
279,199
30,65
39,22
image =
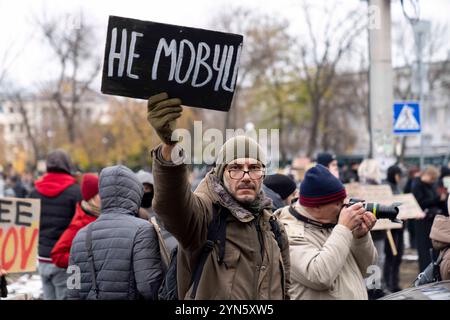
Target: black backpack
x,y
216,231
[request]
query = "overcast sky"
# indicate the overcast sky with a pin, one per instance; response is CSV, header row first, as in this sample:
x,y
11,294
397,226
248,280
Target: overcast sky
x,y
28,60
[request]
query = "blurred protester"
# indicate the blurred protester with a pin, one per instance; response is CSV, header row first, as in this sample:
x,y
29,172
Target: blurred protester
x,y
19,188
118,254
391,270
442,189
350,174
330,244
329,161
282,190
59,194
146,211
426,194
440,238
9,188
87,211
413,176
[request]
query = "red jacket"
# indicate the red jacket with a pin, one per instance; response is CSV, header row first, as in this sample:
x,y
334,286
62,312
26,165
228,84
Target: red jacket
x,y
61,250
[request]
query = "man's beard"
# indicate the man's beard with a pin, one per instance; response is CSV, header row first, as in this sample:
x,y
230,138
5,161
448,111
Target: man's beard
x,y
245,201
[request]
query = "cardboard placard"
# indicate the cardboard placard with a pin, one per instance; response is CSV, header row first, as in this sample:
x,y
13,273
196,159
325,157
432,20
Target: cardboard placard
x,y
19,230
409,209
382,194
144,58
370,193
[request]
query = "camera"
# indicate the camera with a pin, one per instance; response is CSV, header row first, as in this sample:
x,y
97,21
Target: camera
x,y
378,210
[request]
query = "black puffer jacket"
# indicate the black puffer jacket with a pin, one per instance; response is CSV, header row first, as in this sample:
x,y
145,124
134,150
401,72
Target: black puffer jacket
x,y
59,195
125,248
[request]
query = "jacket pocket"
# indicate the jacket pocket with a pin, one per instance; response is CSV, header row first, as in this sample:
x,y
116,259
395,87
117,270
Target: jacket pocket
x,y
227,272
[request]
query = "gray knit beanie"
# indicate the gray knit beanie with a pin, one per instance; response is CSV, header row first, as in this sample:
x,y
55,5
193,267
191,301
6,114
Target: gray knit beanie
x,y
236,148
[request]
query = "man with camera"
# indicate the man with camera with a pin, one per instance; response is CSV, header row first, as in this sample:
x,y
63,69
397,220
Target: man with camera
x,y
330,243
247,259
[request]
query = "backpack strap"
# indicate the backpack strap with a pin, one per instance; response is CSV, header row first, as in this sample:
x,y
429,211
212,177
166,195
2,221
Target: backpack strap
x,y
276,232
165,255
216,231
91,259
437,263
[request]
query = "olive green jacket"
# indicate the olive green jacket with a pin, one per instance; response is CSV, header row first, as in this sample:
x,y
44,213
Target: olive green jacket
x,y
245,273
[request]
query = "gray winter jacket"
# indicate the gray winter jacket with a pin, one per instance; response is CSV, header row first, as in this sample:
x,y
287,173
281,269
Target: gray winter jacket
x,y
125,248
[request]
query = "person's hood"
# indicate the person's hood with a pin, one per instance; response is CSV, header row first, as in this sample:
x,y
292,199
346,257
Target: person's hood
x,y
440,230
59,161
120,191
53,184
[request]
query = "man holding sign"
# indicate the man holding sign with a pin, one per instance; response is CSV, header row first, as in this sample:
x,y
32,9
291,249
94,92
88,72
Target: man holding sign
x,y
248,257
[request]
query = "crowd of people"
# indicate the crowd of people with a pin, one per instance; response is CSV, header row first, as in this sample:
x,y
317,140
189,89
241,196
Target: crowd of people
x,y
236,232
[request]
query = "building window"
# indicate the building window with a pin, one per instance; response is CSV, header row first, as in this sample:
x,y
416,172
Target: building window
x,y
11,127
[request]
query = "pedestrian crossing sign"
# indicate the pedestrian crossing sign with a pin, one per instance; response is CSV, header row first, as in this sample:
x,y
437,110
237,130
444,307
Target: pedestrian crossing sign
x,y
407,118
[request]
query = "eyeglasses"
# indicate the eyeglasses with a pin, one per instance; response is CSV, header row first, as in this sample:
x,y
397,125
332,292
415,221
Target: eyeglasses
x,y
254,174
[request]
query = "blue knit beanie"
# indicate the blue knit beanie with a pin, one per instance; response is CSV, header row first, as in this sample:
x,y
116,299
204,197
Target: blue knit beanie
x,y
320,187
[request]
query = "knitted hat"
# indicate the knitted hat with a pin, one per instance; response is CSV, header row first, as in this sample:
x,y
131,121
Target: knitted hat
x,y
281,184
320,187
238,147
325,158
89,186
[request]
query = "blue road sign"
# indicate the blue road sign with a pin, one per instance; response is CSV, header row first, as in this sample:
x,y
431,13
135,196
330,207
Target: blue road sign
x,y
407,118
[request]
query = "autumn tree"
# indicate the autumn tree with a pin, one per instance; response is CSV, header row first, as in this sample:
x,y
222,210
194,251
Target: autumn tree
x,y
321,51
265,49
77,65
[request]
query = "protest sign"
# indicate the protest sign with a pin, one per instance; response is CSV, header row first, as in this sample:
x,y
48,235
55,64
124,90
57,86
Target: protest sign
x,y
144,58
409,208
19,230
370,193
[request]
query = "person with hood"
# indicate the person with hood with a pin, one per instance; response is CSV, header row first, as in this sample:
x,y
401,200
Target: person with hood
x,y
391,270
59,194
118,254
330,243
281,189
440,238
86,212
247,261
146,211
425,191
445,173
